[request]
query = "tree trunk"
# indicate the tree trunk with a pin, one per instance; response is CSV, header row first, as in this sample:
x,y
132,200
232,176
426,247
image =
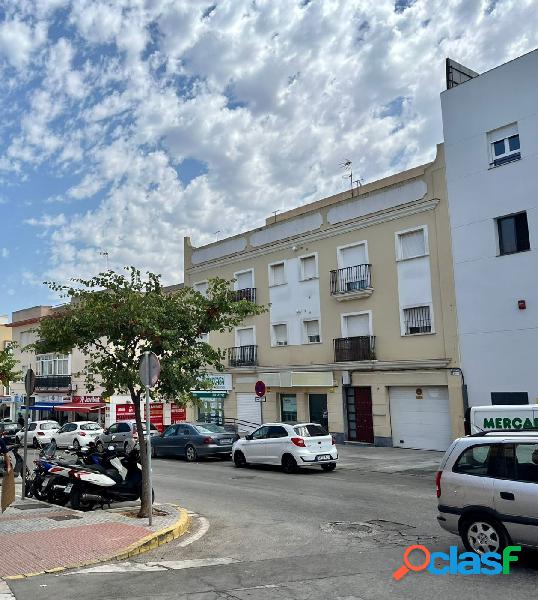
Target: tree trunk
x,y
144,505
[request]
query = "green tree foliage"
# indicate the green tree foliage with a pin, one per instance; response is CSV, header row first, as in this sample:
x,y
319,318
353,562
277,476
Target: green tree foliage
x,y
113,318
9,371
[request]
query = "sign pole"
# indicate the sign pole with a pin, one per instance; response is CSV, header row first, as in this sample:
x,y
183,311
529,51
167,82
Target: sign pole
x,y
148,439
29,384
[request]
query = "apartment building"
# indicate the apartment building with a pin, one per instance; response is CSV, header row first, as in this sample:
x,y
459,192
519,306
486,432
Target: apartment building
x,y
360,331
490,124
5,339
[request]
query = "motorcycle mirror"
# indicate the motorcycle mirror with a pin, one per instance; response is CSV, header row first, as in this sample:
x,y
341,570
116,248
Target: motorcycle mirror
x,y
111,448
70,447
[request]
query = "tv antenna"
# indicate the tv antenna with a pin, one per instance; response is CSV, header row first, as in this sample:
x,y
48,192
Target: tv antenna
x,y
217,234
105,254
347,167
274,214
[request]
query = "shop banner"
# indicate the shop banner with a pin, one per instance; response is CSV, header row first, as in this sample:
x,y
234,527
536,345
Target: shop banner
x,y
179,413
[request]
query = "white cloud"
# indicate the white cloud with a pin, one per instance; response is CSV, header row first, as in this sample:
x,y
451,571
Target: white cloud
x,y
270,97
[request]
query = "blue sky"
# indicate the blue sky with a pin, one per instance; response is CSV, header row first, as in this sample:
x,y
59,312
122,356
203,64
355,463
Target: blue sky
x,y
129,124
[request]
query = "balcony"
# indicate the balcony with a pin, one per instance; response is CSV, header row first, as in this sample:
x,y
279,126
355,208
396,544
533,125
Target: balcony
x,y
52,382
354,348
245,294
243,356
351,283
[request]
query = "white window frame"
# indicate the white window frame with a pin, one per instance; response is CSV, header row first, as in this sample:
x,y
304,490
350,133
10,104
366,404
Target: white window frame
x,y
270,273
240,273
492,138
203,337
419,305
305,334
398,246
301,266
237,329
339,262
52,359
273,336
343,325
206,281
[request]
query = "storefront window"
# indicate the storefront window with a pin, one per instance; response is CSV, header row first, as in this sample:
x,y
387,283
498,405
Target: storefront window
x,y
288,405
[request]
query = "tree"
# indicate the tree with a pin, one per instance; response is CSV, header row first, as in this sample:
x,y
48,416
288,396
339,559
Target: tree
x,y
8,367
113,318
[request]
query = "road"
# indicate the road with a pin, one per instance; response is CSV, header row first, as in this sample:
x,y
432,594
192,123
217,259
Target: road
x,y
262,535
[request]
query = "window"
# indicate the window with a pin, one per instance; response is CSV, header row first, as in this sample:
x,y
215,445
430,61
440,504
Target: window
x,y
280,334
171,431
513,398
32,426
513,232
309,267
261,433
277,274
310,431
203,337
411,244
356,325
526,462
312,332
202,287
124,428
504,145
244,280
275,431
52,364
245,336
113,428
90,426
482,461
288,405
417,320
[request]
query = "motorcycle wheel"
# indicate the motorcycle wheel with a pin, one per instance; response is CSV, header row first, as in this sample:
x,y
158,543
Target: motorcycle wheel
x,y
36,489
76,500
57,498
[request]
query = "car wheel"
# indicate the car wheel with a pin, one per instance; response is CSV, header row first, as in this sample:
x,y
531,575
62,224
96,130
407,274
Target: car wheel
x,y
53,441
35,443
483,534
289,464
239,459
154,452
76,445
329,467
190,453
100,447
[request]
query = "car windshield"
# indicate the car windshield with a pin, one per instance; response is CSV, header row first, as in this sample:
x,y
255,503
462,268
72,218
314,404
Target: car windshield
x,y
210,428
90,426
49,426
309,430
11,427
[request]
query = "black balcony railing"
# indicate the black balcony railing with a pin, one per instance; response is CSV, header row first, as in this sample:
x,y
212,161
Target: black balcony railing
x,y
245,294
242,356
350,279
354,348
52,382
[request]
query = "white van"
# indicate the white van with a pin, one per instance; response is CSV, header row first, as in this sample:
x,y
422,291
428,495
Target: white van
x,y
516,417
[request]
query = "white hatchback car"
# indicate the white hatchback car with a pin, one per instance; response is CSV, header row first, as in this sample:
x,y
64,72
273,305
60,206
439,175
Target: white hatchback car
x,y
290,446
39,432
77,434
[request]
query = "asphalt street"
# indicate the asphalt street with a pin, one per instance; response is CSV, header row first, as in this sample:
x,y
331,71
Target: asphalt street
x,y
259,534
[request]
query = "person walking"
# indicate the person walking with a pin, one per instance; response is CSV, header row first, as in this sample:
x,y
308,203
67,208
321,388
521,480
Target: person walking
x,y
20,421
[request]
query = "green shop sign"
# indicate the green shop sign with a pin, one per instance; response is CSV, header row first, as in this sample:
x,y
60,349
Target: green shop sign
x,y
209,394
508,423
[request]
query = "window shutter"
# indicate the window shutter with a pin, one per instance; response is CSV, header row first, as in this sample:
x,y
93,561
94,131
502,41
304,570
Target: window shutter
x,y
278,274
412,244
309,267
281,334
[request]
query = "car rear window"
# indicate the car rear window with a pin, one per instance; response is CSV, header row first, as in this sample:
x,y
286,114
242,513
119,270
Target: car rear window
x,y
89,426
11,427
49,426
210,428
309,430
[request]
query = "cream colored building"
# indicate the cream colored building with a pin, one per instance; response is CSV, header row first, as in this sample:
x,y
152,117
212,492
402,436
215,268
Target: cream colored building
x,y
361,323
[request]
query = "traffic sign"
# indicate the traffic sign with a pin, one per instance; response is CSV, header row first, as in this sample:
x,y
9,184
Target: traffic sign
x,y
149,370
29,383
259,388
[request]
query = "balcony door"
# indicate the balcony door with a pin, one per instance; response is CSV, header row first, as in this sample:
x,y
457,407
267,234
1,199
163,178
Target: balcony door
x,y
351,256
244,280
359,414
245,337
356,325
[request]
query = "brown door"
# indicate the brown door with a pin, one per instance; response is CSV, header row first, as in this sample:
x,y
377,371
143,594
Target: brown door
x,y
359,414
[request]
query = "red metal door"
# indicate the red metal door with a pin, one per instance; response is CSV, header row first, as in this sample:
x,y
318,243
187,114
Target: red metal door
x,y
363,415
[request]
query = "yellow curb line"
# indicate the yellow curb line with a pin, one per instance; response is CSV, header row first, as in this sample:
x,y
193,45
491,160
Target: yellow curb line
x,y
149,542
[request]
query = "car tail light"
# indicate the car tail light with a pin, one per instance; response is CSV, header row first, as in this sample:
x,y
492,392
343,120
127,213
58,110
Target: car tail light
x,y
135,435
298,442
334,440
40,433
438,483
209,440
82,433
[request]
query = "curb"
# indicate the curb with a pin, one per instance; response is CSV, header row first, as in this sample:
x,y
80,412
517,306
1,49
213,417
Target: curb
x,y
149,542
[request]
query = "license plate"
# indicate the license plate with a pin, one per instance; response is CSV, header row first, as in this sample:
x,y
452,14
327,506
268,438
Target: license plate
x,y
68,488
324,457
225,441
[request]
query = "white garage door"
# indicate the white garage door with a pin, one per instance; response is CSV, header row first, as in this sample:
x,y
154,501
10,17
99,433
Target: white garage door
x,y
248,410
420,423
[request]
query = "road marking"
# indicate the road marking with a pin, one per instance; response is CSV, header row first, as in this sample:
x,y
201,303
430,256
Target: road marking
x,y
204,528
5,592
160,565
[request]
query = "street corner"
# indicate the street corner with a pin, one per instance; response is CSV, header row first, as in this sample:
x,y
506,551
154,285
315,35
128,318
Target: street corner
x,y
44,538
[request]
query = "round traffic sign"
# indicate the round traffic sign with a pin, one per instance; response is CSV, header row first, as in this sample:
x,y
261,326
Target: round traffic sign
x,y
259,388
29,382
149,370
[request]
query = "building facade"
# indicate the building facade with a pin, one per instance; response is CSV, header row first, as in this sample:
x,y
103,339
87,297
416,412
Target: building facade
x,y
490,124
360,331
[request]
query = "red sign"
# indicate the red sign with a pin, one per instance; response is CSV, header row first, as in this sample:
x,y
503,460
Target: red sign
x,y
87,399
259,388
126,412
179,413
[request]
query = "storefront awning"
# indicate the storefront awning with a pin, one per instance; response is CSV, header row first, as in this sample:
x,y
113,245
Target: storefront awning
x,y
43,405
81,407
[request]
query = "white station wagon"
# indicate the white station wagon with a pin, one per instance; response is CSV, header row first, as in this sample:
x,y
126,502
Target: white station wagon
x,y
290,446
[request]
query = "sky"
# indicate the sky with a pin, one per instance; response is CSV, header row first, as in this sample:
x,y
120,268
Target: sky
x,y
129,124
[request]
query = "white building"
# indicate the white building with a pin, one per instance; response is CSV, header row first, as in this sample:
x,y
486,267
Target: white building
x,y
490,126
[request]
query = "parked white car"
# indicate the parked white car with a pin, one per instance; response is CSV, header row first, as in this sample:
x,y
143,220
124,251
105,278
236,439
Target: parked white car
x,y
77,434
290,446
39,432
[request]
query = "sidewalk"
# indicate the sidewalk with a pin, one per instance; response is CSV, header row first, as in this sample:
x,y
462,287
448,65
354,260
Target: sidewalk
x,y
36,537
388,460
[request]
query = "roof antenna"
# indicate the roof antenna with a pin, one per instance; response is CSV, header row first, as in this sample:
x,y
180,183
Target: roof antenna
x,y
217,234
347,167
274,214
105,254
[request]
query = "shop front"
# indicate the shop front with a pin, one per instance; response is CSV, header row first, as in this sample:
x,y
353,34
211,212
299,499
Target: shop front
x,y
81,408
161,414
211,401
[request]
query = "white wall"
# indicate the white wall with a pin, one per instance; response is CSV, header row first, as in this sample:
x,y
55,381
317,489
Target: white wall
x,y
498,342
